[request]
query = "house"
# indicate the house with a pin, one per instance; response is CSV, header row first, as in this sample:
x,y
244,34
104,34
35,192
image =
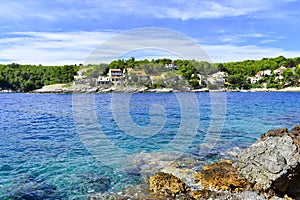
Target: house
x,y
279,70
116,76
259,75
217,78
254,79
171,66
140,74
266,72
103,81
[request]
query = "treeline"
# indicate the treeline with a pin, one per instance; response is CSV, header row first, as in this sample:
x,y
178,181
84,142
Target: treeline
x,y
24,78
239,72
189,69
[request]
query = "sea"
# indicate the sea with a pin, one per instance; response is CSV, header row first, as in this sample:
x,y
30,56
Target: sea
x,y
70,146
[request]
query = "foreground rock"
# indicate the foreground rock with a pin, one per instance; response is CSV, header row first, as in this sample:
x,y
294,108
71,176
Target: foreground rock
x,y
268,169
272,163
167,184
221,176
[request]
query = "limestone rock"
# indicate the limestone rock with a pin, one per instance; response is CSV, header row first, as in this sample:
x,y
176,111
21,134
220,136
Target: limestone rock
x,y
221,176
275,133
185,174
227,195
271,163
167,183
294,134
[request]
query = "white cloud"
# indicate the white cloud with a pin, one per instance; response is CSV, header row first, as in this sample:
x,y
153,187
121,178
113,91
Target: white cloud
x,y
268,41
50,48
241,38
229,53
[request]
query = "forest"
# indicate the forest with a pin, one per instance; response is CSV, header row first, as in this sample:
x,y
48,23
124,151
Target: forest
x,y
25,78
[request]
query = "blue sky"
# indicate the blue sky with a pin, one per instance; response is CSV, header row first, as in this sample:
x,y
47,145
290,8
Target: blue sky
x,y
67,31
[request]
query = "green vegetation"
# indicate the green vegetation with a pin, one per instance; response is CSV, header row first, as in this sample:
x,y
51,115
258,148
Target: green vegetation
x,y
239,72
161,73
24,78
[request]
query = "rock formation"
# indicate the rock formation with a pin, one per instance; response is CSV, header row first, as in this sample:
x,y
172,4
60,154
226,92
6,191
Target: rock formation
x,y
221,176
268,169
167,183
273,162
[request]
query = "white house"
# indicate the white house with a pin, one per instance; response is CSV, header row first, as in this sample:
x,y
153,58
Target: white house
x,y
266,72
217,78
254,79
103,81
116,76
279,70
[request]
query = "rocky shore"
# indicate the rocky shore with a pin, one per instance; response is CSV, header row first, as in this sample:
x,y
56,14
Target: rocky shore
x,y
268,169
85,88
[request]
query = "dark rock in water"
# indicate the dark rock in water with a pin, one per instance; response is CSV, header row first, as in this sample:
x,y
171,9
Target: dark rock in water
x,y
37,191
271,163
95,183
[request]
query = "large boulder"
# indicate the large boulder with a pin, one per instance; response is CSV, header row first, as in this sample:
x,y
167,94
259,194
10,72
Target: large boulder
x,y
271,163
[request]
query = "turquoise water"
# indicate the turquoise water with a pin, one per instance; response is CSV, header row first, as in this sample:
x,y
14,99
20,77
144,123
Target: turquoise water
x,y
47,150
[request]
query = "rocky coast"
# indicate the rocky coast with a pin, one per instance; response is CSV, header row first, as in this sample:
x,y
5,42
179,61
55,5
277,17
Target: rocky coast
x,y
267,169
85,88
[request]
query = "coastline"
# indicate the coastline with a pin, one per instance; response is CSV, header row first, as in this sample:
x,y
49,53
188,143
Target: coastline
x,y
62,88
269,169
83,88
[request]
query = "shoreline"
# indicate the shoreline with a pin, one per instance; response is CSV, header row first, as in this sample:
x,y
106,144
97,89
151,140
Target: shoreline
x,y
267,169
80,88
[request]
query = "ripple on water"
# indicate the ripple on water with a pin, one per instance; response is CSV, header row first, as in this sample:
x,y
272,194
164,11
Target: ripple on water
x,y
42,156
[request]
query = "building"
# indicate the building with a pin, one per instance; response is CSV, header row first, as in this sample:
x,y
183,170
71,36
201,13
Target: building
x,y
279,70
266,72
217,78
140,74
254,79
171,66
116,76
259,75
103,81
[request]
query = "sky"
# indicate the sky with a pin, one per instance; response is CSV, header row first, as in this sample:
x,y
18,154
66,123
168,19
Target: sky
x,y
60,32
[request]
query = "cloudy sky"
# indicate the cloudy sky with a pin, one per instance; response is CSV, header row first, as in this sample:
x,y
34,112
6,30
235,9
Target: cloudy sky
x,y
67,31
